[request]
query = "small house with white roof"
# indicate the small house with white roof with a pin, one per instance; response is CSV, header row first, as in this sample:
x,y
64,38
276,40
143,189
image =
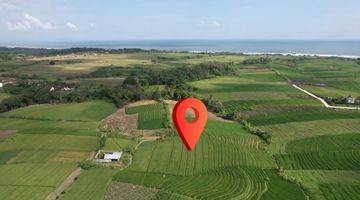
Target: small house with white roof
x,y
112,156
350,100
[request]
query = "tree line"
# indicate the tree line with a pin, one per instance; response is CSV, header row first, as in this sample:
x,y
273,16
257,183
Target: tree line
x,y
29,91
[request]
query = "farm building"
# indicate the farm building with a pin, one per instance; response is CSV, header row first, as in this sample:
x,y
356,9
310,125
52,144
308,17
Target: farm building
x,y
112,156
350,100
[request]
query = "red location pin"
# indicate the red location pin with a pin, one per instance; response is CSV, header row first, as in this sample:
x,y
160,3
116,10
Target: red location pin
x,y
189,132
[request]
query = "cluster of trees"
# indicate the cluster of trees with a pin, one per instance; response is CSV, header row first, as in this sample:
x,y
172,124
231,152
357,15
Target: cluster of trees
x,y
180,74
174,80
28,92
11,53
340,100
215,106
260,60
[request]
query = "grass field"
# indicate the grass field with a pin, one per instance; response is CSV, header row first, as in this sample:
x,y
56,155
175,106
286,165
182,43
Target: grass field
x,y
117,143
91,184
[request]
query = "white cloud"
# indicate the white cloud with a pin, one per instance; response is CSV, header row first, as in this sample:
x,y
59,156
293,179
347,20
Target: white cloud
x,y
215,24
5,5
18,26
71,25
28,23
36,22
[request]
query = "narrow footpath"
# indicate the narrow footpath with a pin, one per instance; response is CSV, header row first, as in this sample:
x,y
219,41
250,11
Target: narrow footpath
x,y
323,101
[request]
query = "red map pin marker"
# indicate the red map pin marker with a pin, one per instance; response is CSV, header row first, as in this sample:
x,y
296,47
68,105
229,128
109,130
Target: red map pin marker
x,y
189,132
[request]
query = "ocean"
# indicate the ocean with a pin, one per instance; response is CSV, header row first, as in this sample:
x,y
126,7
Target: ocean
x,y
343,48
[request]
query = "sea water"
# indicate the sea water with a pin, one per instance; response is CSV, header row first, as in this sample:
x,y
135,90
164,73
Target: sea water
x,y
344,48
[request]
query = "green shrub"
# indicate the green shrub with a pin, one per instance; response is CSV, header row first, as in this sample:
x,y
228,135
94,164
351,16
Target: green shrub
x,y
102,142
86,165
266,136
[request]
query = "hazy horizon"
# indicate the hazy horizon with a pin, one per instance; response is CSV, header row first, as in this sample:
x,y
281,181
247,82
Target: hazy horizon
x,y
62,20
343,48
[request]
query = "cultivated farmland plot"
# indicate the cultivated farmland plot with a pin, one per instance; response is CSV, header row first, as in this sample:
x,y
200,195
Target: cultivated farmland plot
x,y
314,152
152,116
47,146
89,111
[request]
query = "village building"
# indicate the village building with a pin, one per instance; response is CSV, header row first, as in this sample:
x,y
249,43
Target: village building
x,y
350,100
112,156
66,88
1,85
357,101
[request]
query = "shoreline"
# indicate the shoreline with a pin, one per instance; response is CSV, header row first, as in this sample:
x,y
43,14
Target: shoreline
x,y
199,51
283,54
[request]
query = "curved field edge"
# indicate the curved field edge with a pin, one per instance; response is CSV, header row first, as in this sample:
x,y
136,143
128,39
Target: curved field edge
x,y
222,183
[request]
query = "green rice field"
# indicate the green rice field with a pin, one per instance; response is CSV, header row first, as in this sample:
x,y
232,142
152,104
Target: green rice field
x,y
313,153
152,116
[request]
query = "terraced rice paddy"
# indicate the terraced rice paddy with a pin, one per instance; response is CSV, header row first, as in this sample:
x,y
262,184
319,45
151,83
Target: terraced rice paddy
x,y
152,116
340,191
346,142
214,164
302,116
223,183
208,154
305,136
337,160
313,180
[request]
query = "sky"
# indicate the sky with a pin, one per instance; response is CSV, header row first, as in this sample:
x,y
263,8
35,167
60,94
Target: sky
x,y
86,20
